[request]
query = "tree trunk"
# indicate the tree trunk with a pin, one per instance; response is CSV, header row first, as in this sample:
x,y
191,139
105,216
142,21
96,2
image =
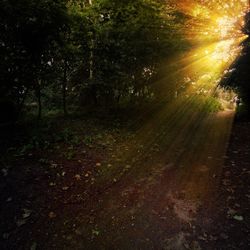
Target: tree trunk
x,y
64,89
39,100
91,57
91,69
22,102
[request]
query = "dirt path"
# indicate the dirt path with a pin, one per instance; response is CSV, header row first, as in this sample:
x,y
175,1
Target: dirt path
x,y
171,203
159,210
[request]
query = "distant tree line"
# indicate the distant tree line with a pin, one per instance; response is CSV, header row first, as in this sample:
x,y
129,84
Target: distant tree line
x,y
59,53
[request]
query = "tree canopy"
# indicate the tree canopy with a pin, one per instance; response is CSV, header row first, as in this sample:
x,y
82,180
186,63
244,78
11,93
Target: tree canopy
x,y
92,52
60,54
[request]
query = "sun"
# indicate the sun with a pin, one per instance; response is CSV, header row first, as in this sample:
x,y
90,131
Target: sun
x,y
214,28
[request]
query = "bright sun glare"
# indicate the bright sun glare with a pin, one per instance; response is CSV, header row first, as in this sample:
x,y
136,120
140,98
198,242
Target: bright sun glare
x,y
215,30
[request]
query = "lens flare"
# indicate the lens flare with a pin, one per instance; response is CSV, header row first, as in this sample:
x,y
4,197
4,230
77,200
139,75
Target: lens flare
x,y
214,20
215,30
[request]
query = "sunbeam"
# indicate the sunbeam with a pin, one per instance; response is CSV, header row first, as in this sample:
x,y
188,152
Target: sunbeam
x,y
215,27
191,130
124,124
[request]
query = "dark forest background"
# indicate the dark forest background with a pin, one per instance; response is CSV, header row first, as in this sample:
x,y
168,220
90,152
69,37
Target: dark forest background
x,y
63,56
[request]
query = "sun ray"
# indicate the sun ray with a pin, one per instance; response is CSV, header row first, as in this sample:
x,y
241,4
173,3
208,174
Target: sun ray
x,y
179,133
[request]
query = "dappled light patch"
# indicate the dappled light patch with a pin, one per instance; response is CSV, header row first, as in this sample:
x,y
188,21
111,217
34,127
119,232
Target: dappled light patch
x,y
185,210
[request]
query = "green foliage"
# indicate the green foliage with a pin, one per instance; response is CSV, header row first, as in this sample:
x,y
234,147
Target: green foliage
x,y
130,38
59,52
214,105
29,30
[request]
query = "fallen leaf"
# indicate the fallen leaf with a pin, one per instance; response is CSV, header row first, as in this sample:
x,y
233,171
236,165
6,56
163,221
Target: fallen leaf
x,y
78,232
231,212
53,165
238,218
33,246
9,199
4,171
52,215
95,232
21,222
78,177
26,213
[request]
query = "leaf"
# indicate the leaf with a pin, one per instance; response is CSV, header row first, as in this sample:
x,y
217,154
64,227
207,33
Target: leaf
x,y
21,222
78,177
231,212
33,246
54,165
78,232
9,199
52,215
4,172
26,213
95,232
238,218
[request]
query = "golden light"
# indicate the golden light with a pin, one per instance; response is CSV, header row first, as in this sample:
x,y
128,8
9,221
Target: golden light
x,y
215,30
214,20
186,133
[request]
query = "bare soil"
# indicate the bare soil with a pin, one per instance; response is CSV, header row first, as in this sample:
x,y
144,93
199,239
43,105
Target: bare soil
x,y
192,193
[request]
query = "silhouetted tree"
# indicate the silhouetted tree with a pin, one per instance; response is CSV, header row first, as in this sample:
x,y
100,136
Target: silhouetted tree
x,y
239,74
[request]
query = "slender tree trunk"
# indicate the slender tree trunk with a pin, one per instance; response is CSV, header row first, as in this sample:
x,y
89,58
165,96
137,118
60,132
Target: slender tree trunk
x,y
91,65
134,96
64,89
39,100
91,57
91,69
21,103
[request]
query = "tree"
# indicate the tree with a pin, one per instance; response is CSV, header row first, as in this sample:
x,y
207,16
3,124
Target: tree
x,y
104,51
127,41
238,77
31,29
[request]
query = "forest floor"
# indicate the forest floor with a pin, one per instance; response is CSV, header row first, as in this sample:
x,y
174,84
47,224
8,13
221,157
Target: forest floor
x,y
96,184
